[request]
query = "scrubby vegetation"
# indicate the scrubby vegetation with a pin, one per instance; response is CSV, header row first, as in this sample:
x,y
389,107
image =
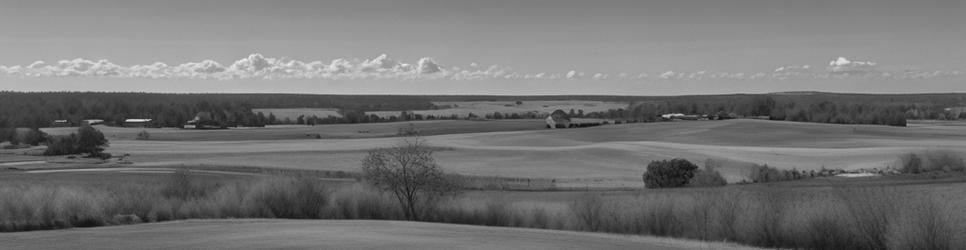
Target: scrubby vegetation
x,y
931,161
708,176
795,218
764,173
88,140
31,136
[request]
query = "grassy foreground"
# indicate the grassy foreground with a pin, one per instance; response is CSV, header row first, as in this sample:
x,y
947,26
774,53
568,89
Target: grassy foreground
x,y
864,217
334,234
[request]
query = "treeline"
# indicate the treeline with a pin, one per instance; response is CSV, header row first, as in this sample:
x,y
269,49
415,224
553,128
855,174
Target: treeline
x,y
892,110
40,109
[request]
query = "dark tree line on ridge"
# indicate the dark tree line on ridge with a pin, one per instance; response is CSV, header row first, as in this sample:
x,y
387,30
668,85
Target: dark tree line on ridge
x,y
40,109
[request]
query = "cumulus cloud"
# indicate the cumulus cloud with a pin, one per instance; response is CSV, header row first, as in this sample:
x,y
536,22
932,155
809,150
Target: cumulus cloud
x,y
257,66
428,66
572,74
843,66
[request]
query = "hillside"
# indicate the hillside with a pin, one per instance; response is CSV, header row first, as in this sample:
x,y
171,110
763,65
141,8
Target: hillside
x,y
611,155
330,234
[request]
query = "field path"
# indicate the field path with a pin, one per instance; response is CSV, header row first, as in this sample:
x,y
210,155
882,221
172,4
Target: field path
x,y
330,234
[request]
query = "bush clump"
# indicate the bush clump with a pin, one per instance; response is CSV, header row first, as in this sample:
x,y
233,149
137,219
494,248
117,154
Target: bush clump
x,y
708,176
669,173
933,161
87,140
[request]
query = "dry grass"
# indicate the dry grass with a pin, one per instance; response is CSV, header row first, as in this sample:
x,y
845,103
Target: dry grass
x,y
899,217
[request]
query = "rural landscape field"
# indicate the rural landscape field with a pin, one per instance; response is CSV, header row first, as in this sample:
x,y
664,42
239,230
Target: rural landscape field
x,y
461,124
782,184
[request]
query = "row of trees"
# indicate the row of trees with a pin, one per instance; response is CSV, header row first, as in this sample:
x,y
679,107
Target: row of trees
x,y
769,107
228,110
31,136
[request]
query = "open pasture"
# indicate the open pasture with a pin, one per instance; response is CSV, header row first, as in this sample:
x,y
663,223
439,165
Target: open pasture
x,y
293,132
612,156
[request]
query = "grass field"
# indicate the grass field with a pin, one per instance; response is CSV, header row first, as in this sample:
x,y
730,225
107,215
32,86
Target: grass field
x,y
292,132
333,234
608,156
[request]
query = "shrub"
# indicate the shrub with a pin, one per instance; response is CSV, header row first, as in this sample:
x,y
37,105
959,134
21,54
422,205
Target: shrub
x,y
765,173
90,140
31,137
669,173
143,135
708,177
930,161
87,140
911,164
62,145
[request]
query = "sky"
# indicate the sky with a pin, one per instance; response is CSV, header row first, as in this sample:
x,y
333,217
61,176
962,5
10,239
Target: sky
x,y
506,47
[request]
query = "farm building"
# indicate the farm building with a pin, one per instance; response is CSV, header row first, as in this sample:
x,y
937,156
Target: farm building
x,y
679,116
202,120
92,121
60,123
137,123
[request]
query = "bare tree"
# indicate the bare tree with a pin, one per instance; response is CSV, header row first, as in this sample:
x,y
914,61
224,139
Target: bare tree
x,y
410,173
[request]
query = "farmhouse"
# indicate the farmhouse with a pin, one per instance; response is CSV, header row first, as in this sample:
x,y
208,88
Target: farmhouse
x,y
137,123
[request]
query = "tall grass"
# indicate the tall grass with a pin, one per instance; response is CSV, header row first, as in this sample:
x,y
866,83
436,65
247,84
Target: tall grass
x,y
838,218
27,206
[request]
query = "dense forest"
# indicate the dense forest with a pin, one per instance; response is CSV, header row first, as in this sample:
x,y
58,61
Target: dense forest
x,y
891,110
40,109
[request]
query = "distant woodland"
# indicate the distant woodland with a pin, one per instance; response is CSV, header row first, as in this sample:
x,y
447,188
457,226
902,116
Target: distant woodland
x,y
40,109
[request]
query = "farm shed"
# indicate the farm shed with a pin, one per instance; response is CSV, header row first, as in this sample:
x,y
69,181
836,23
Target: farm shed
x,y
60,123
92,121
137,123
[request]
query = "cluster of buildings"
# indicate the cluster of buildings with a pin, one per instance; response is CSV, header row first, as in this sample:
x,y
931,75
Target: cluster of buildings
x,y
137,123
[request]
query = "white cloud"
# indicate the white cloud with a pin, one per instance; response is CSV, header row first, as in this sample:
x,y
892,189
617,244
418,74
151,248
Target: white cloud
x,y
428,66
667,75
572,74
257,66
843,66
